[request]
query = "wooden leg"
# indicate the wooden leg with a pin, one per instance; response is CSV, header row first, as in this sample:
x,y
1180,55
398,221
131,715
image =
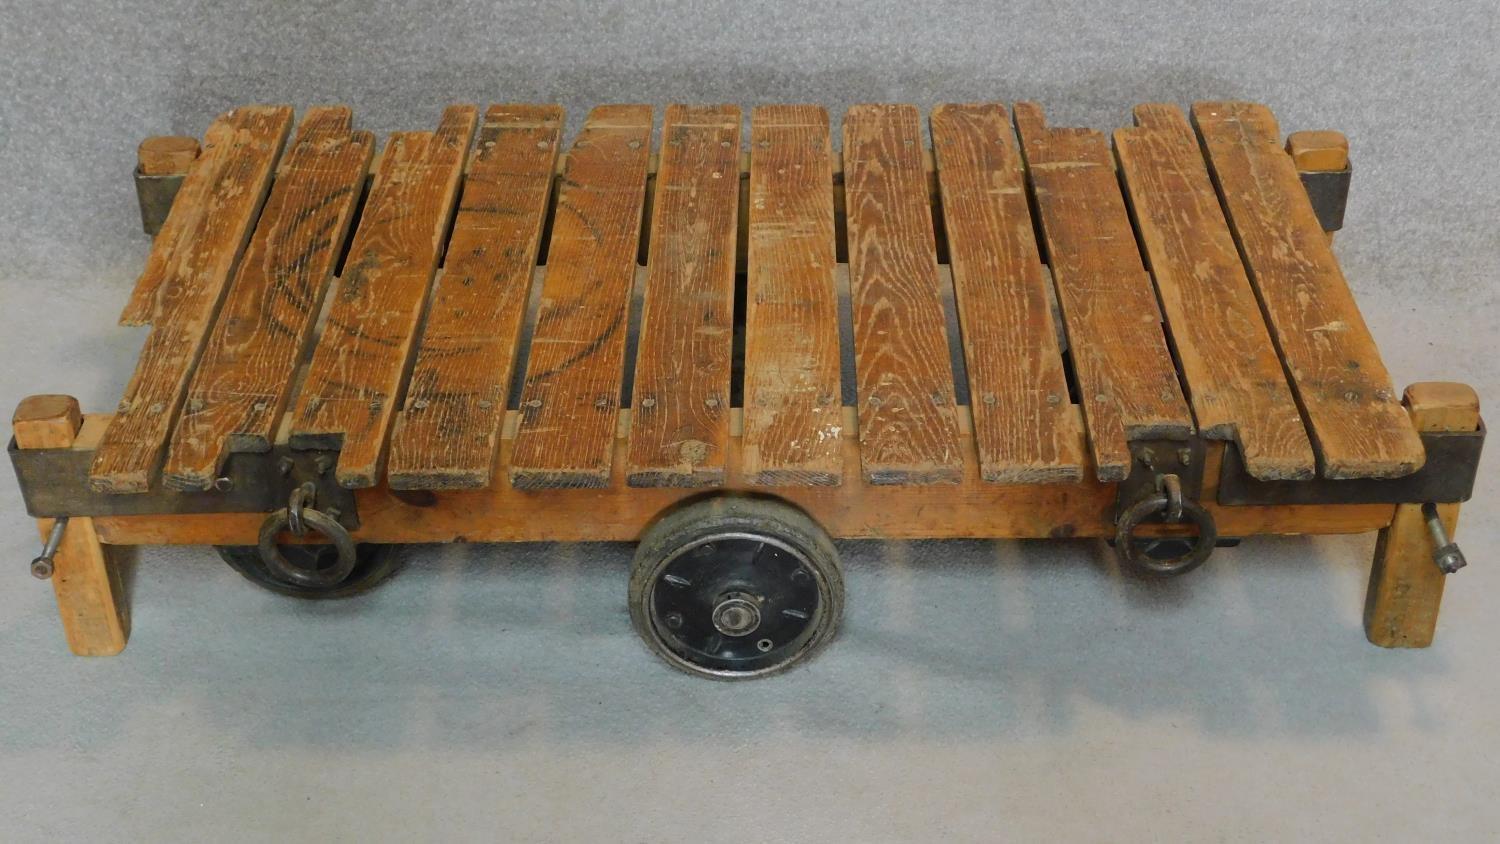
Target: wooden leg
x,y
1406,586
88,588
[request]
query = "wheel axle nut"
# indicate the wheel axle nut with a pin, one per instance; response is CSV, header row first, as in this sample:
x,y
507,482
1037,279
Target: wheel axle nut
x,y
737,615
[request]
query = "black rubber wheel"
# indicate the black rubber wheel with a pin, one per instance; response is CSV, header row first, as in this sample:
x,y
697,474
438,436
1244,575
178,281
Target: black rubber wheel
x,y
373,564
734,588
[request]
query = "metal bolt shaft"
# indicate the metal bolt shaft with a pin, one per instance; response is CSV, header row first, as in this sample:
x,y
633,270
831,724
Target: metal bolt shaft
x,y
1445,551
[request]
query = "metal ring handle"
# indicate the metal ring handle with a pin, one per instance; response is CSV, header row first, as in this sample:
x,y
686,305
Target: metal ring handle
x,y
1130,555
321,522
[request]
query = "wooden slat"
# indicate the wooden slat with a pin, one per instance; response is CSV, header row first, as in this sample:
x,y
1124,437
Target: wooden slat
x,y
904,377
1234,379
447,434
1025,427
1125,375
793,416
359,367
571,397
184,282
680,422
214,210
1356,419
240,389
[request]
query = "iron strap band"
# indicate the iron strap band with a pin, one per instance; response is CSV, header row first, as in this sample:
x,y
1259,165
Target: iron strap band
x,y
55,483
1447,477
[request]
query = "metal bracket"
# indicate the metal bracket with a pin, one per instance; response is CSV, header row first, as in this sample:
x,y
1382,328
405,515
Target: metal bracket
x,y
1153,459
155,195
1446,478
55,483
1329,192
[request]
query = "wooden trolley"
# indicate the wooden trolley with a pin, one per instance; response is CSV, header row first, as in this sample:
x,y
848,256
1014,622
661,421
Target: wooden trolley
x,y
1051,333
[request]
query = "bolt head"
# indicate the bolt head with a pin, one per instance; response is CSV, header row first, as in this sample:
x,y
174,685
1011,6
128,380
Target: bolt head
x,y
1449,559
42,568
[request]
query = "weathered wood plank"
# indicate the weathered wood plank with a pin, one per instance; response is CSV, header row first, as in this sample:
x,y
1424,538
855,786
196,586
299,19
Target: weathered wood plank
x,y
360,364
240,389
1025,427
1125,375
215,209
447,435
792,412
903,374
1234,379
1357,422
571,397
184,282
680,422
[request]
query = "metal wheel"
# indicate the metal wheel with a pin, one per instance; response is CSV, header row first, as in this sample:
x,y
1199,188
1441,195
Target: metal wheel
x,y
372,564
734,588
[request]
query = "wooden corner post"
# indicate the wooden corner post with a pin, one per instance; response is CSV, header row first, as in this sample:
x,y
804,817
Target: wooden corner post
x,y
1406,585
1319,152
90,597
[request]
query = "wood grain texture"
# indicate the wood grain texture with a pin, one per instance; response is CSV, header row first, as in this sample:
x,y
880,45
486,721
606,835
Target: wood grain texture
x,y
361,361
1234,379
1406,586
570,400
680,423
1126,378
793,416
1319,150
166,155
87,584
184,282
1357,424
214,211
240,389
903,373
1025,427
852,510
447,435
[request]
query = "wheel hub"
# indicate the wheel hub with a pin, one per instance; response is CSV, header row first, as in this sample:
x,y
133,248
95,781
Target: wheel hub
x,y
735,605
737,614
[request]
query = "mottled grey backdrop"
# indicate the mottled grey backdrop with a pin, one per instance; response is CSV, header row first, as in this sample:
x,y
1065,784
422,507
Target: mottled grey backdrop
x,y
980,690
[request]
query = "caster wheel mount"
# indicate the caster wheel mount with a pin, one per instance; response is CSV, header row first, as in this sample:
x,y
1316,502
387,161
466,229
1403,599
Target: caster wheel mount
x,y
734,588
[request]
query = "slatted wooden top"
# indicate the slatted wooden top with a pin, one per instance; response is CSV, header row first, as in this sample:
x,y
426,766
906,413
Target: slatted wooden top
x,y
513,310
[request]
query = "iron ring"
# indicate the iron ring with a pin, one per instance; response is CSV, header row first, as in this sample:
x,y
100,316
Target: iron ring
x,y
320,522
